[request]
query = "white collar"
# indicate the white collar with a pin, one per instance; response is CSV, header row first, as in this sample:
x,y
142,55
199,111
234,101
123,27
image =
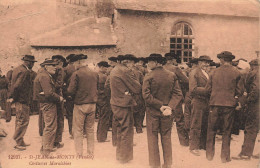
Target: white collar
x,y
205,73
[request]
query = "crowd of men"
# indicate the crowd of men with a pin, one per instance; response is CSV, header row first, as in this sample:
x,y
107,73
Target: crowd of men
x,y
203,99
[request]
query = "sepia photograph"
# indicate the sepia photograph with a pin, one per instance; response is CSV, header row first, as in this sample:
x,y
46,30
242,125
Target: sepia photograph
x,y
129,83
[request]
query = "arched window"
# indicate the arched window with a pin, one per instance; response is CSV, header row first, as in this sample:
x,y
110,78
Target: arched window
x,y
182,41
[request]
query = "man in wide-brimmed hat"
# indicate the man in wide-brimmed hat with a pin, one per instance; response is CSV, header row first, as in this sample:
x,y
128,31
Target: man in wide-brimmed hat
x,y
69,104
103,111
83,88
59,83
223,87
162,94
124,85
198,79
45,93
140,65
184,84
252,120
20,94
138,109
113,61
192,64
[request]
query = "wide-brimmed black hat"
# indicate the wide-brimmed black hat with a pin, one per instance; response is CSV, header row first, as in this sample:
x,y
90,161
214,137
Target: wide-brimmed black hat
x,y
29,58
142,59
49,62
78,57
130,57
170,56
113,59
103,64
60,57
69,57
205,58
156,57
254,62
193,60
226,54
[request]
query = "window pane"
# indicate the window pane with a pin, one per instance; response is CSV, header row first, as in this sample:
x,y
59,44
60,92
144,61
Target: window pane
x,y
190,31
185,46
190,54
185,53
178,30
172,45
178,40
178,46
190,46
172,51
185,59
185,40
178,52
173,40
186,29
190,40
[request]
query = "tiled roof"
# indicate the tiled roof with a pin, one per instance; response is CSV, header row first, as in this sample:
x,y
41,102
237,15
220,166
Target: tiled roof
x,y
248,8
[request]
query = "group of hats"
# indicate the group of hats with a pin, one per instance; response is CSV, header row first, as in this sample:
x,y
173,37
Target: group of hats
x,y
127,57
69,58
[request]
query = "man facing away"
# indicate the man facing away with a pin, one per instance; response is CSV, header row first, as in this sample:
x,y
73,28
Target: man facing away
x,y
171,62
103,105
224,88
69,104
83,88
123,84
162,94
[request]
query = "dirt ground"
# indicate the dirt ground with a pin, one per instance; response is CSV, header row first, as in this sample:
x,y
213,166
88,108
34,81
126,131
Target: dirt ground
x,y
105,152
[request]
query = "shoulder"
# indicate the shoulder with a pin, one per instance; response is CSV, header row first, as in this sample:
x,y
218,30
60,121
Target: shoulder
x,y
43,76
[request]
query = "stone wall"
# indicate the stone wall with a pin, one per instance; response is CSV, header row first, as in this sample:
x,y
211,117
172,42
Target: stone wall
x,y
142,33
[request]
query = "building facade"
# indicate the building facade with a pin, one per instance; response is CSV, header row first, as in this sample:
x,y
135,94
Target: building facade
x,y
188,28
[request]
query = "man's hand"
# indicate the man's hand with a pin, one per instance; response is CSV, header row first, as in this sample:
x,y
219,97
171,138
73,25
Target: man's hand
x,y
10,100
238,107
164,108
62,99
167,112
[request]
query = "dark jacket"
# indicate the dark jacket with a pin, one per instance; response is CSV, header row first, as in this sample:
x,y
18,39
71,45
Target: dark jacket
x,y
3,82
123,85
223,86
9,76
83,86
197,80
68,71
142,69
183,80
21,84
44,88
102,96
139,75
181,77
161,87
59,80
252,86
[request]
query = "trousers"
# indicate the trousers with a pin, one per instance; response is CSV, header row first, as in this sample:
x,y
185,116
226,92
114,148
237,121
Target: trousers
x,y
83,119
227,115
125,133
21,122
